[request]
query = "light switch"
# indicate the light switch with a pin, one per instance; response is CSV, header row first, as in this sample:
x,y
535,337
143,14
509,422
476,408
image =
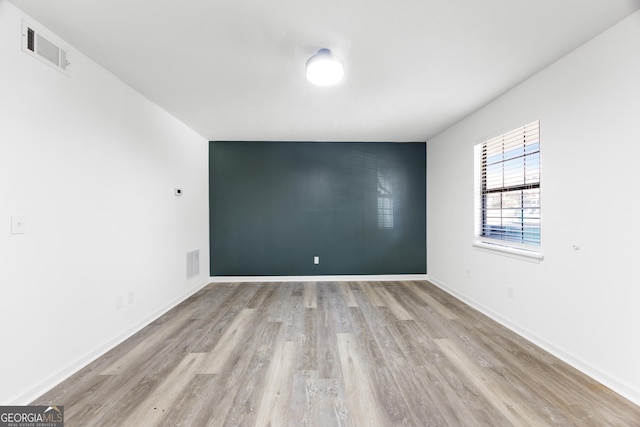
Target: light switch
x,y
18,225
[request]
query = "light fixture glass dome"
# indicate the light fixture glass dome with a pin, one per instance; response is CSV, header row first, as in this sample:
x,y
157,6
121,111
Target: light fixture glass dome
x,y
324,69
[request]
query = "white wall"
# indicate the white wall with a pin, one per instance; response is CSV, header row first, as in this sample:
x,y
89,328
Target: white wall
x,y
582,305
92,165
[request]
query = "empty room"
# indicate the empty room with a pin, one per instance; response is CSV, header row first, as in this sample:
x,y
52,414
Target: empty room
x,y
244,213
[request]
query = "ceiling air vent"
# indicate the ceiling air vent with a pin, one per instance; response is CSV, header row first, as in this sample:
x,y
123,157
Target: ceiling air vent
x,y
40,45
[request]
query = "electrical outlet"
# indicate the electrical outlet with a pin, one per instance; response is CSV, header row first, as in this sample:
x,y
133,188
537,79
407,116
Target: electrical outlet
x,y
510,292
18,225
316,260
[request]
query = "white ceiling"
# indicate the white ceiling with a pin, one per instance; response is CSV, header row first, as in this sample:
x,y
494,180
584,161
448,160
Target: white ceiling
x,y
234,69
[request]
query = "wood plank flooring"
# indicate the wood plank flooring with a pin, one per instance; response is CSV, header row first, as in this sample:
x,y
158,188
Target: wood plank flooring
x,y
332,354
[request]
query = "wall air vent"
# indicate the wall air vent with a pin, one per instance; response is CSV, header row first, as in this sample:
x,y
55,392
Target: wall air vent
x,y
193,263
42,46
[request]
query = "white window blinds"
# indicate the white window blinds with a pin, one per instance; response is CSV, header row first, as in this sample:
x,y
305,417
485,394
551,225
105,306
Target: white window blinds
x,y
509,190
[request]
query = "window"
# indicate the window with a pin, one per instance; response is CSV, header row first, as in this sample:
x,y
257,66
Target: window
x,y
508,188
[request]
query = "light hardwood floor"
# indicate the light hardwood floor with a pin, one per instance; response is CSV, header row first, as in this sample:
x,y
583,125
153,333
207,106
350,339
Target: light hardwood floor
x,y
332,354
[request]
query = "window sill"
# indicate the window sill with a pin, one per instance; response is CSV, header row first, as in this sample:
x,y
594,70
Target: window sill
x,y
523,254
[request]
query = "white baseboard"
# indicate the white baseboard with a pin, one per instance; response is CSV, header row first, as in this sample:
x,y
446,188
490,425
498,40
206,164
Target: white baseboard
x,y
610,381
346,278
39,389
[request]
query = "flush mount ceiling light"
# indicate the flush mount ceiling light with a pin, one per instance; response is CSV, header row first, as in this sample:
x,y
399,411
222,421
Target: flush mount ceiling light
x,y
324,69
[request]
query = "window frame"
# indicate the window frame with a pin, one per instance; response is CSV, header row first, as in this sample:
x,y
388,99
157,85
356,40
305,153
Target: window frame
x,y
520,248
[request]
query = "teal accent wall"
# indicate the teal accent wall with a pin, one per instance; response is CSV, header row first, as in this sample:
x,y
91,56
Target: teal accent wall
x,y
358,206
